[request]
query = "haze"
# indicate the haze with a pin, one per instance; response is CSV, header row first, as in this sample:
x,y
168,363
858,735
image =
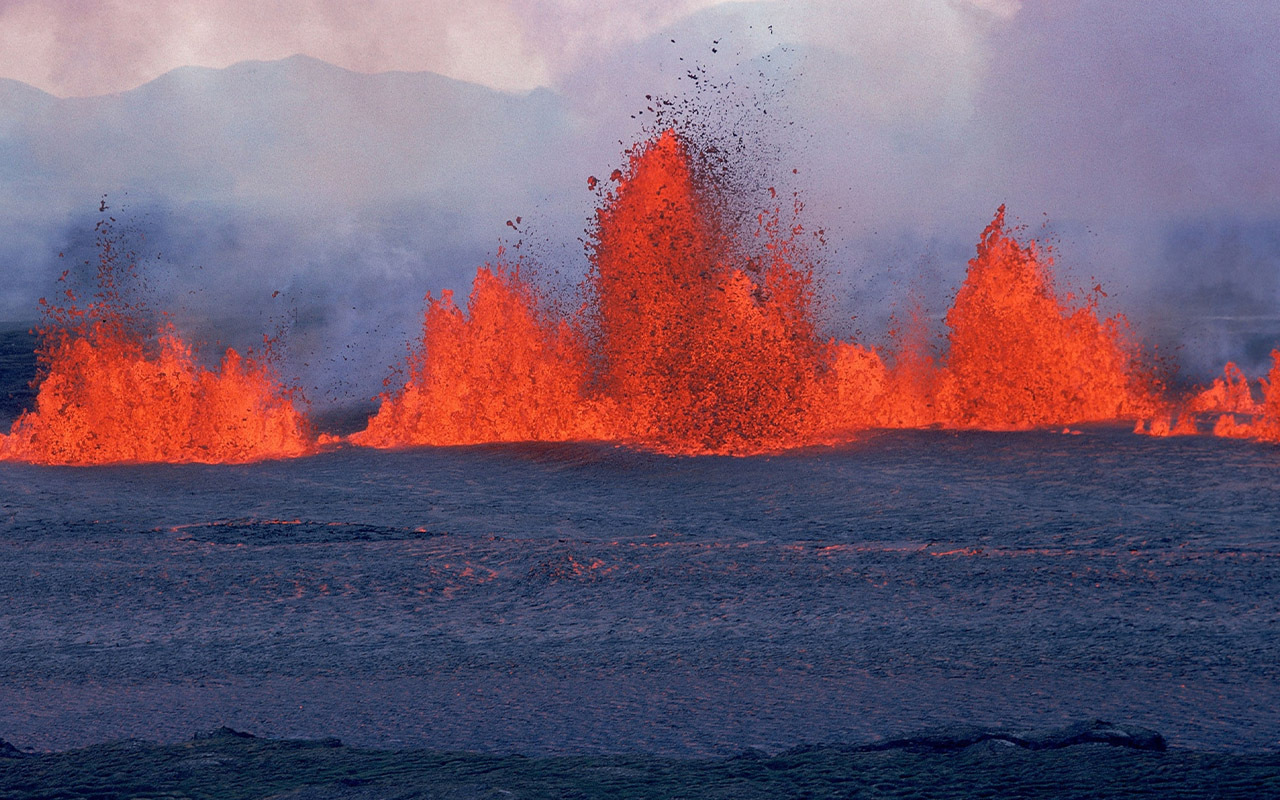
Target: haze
x,y
1139,138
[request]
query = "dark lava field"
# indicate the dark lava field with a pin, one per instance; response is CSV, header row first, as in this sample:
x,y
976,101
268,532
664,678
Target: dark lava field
x,y
593,600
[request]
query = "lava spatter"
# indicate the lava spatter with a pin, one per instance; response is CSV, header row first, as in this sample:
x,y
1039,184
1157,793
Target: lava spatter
x,y
1021,358
706,341
698,337
1229,394
505,370
1263,422
116,388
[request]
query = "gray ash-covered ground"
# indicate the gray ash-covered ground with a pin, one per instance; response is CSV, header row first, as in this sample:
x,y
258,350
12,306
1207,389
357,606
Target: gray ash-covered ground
x,y
589,599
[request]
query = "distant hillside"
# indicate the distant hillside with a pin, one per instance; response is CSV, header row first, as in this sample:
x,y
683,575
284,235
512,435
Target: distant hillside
x,y
275,133
295,193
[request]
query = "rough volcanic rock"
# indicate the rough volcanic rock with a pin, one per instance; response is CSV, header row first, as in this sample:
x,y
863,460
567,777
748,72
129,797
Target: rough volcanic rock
x,y
1077,762
222,732
1094,731
960,737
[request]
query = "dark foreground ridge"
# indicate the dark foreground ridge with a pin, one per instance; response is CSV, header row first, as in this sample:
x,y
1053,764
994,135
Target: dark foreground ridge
x,y
1086,760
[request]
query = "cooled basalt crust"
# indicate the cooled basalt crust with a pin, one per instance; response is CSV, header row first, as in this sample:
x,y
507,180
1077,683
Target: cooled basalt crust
x,y
1088,759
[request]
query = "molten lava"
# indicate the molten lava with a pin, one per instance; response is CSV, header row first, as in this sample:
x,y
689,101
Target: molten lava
x,y
506,371
1265,423
706,345
1229,394
699,338
113,390
699,343
1020,358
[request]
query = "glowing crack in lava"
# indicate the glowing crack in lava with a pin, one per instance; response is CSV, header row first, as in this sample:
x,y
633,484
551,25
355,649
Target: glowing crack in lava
x,y
113,389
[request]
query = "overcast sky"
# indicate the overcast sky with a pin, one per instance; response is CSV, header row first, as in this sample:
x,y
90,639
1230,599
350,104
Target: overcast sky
x,y
87,47
1174,98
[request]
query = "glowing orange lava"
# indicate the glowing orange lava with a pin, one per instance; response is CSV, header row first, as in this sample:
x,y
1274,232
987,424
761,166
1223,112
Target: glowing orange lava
x,y
706,343
1229,394
1016,357
505,371
699,338
1265,422
113,391
1020,358
699,344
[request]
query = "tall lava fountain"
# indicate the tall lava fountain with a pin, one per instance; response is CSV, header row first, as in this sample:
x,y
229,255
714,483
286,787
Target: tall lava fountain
x,y
705,346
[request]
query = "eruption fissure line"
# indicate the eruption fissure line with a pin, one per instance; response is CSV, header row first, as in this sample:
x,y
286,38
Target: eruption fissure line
x,y
698,337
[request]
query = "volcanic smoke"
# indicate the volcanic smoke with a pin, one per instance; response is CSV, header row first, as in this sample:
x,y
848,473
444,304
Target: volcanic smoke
x,y
698,336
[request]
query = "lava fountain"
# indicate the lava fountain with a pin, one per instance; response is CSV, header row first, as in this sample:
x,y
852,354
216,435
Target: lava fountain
x,y
1231,394
1020,358
115,389
507,370
705,336
698,337
690,343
